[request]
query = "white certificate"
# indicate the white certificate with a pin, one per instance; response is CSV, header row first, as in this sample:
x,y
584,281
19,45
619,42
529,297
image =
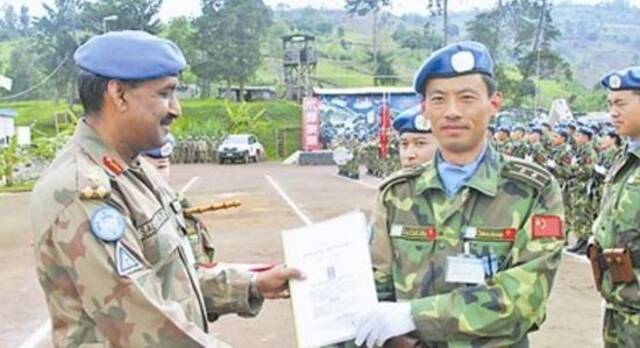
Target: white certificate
x,y
334,255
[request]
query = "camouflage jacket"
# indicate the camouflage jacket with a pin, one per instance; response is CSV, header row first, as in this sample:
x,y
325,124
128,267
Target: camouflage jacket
x,y
503,147
519,148
617,227
515,210
607,158
585,160
140,290
537,153
562,156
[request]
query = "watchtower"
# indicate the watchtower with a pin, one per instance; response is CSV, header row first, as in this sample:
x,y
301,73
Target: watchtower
x,y
299,63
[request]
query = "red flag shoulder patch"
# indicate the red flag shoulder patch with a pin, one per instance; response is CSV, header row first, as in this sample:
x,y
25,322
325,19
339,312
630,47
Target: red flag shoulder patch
x,y
546,226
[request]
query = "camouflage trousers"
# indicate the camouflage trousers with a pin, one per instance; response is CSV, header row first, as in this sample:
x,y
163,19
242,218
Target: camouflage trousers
x,y
621,330
581,212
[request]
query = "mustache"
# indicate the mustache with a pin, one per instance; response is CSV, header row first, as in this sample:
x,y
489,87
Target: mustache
x,y
166,121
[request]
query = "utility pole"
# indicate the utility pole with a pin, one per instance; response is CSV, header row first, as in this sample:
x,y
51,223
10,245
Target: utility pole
x,y
446,21
375,45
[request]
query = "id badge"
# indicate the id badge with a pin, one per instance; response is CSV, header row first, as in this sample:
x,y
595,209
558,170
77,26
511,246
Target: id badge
x,y
465,269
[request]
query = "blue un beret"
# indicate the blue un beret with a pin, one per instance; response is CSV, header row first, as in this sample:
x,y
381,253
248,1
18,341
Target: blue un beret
x,y
626,79
411,121
586,131
130,55
454,60
163,151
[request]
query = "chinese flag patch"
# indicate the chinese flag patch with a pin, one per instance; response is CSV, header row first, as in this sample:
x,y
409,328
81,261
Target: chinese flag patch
x,y
546,226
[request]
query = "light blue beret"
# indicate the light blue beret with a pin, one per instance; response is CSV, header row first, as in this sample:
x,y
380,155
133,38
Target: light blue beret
x,y
625,79
130,55
453,60
163,151
411,121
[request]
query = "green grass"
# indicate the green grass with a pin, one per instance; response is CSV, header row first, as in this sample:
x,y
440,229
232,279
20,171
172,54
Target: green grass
x,y
18,187
199,117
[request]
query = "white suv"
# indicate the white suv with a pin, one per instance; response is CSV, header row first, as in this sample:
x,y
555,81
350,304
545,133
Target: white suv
x,y
244,147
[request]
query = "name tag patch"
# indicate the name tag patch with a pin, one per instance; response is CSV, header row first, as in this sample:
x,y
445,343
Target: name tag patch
x,y
414,233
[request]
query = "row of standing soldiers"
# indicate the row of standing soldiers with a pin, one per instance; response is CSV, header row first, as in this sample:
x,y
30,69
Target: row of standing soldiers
x,y
578,154
368,154
195,150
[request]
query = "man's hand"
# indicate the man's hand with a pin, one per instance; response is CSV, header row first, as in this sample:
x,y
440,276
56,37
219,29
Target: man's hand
x,y
382,322
274,283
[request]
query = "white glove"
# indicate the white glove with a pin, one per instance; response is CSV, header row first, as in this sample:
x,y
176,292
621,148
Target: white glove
x,y
551,164
382,322
528,158
574,161
600,170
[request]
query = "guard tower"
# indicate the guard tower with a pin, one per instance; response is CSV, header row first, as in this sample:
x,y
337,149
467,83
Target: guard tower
x,y
299,62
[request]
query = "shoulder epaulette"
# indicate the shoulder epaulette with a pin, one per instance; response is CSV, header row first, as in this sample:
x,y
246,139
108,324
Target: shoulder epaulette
x,y
93,182
527,172
400,176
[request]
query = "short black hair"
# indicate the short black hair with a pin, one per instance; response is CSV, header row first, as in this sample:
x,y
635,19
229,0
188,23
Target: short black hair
x,y
91,88
491,83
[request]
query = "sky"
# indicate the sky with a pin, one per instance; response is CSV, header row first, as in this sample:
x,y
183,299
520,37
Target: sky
x,y
173,8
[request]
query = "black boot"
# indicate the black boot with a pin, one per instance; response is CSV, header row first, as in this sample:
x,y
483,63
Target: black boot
x,y
580,244
583,248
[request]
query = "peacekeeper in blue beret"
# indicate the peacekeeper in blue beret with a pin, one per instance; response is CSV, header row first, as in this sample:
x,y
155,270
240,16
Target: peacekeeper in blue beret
x,y
616,232
417,143
456,241
111,246
503,140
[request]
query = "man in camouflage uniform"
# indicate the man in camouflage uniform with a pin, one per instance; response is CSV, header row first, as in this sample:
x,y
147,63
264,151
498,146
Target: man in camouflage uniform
x,y
502,143
580,189
559,164
465,248
617,237
609,151
535,150
518,143
110,241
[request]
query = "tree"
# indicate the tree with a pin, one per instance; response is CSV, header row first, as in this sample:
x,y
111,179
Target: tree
x,y
56,39
132,14
24,24
9,160
520,31
228,41
9,22
385,75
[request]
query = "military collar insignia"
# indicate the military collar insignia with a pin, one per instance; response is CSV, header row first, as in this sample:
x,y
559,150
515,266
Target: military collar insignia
x,y
126,261
113,166
108,224
463,61
615,82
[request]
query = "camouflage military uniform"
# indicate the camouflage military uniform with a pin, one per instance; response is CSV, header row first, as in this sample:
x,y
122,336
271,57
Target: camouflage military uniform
x,y
157,297
503,147
606,160
617,227
561,157
581,197
519,149
537,153
515,210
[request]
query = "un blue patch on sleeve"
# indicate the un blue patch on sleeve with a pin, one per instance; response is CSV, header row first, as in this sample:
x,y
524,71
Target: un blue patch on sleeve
x,y
108,224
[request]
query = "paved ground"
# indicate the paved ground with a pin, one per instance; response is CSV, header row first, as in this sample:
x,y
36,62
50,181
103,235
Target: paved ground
x,y
251,234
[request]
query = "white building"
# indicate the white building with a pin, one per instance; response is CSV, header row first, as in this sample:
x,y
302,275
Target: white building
x,y
7,125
